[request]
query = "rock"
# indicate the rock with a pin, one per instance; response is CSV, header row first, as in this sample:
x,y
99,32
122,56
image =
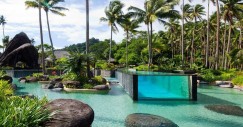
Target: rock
x,y
101,87
69,113
7,78
226,109
32,79
14,86
20,49
147,120
58,85
44,78
57,79
230,85
21,78
72,84
57,89
47,86
222,82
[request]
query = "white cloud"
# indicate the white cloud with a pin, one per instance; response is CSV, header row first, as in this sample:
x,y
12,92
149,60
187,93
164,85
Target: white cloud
x,y
66,30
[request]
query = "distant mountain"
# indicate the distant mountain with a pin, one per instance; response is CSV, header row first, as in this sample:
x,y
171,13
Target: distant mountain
x,y
82,46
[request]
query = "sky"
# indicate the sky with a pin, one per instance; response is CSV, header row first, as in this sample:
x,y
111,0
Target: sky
x,y
69,29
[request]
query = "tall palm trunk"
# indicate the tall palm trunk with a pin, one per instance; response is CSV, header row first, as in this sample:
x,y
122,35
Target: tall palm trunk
x,y
148,37
182,35
150,46
49,32
87,38
228,47
42,45
217,36
240,38
126,50
225,30
192,46
3,31
207,45
110,46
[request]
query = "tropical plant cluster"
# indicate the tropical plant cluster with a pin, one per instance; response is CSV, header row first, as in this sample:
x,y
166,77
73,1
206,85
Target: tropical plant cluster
x,y
20,112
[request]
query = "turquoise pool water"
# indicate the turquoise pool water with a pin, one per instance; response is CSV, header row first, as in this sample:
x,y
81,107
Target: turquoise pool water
x,y
111,109
163,87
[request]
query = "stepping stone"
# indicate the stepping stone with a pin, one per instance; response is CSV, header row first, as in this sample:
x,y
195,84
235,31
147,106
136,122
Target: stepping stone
x,y
226,109
148,120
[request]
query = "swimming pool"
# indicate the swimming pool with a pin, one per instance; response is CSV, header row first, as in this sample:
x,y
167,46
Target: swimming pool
x,y
141,85
111,109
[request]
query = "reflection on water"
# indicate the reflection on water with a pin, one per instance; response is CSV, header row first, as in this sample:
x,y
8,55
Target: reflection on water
x,y
112,108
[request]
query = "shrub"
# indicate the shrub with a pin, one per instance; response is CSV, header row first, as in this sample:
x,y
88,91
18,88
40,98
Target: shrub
x,y
5,89
210,75
88,86
37,75
145,68
70,76
97,80
238,80
23,112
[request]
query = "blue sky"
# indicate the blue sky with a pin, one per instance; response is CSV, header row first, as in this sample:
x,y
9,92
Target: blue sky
x,y
69,29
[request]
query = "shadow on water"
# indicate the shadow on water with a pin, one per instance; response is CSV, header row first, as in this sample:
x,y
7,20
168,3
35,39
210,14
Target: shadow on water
x,y
206,99
214,123
116,90
109,120
202,99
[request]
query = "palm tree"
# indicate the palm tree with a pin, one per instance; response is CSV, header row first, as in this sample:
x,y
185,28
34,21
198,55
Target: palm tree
x,y
232,9
129,26
3,22
197,13
154,10
30,4
87,37
113,14
48,5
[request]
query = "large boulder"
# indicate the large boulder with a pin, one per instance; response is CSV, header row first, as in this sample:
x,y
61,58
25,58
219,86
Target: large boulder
x,y
69,113
7,78
72,84
20,49
101,87
147,120
32,79
58,85
226,109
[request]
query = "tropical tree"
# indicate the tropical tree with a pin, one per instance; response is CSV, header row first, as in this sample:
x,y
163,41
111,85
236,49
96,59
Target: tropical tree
x,y
197,13
3,22
129,26
113,14
232,9
87,37
154,10
48,5
30,4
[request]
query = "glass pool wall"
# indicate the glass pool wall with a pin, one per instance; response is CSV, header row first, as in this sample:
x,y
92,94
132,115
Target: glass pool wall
x,y
149,85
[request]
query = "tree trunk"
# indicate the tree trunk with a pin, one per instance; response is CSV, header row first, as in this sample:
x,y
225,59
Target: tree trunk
x,y
41,37
217,36
228,47
182,36
87,38
49,32
151,41
240,38
223,60
207,45
148,45
110,46
192,46
127,51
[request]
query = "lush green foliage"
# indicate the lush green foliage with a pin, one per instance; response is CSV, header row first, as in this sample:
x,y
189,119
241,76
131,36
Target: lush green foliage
x,y
98,80
88,86
5,89
23,112
37,75
213,75
105,66
238,79
145,68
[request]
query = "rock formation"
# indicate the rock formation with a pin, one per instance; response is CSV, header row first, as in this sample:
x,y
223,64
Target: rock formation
x,y
69,113
20,49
